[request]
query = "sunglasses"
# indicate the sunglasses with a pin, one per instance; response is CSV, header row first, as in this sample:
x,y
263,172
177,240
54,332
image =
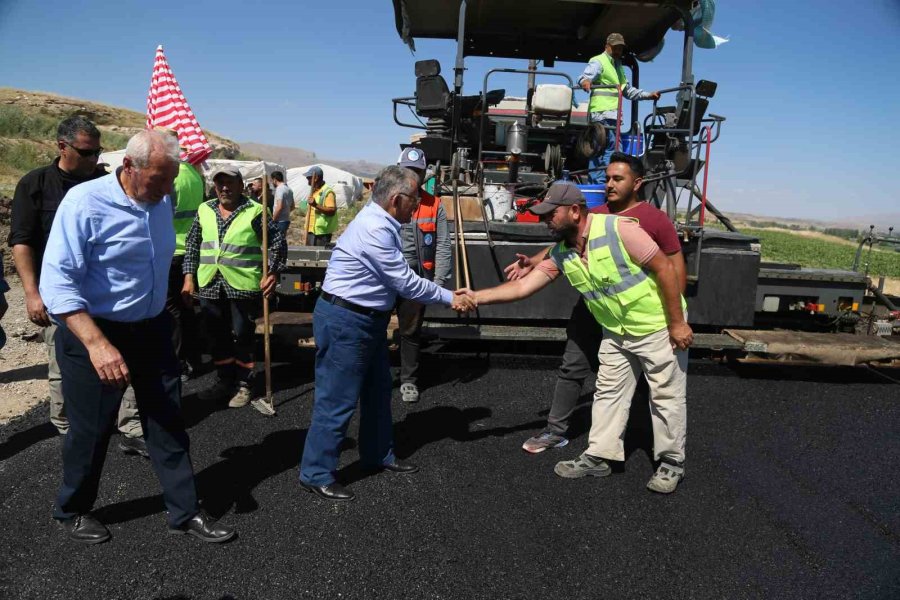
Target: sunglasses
x,y
86,152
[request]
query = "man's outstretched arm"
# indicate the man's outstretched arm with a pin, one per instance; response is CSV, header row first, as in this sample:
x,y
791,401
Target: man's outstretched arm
x,y
518,289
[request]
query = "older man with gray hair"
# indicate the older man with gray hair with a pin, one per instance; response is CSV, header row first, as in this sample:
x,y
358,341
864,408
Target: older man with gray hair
x,y
366,273
104,280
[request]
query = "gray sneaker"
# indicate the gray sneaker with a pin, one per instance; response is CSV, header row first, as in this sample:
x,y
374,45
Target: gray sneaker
x,y
583,466
543,441
666,478
241,398
409,392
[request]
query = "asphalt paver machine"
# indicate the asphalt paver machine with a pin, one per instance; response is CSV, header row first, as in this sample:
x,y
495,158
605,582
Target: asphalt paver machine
x,y
496,151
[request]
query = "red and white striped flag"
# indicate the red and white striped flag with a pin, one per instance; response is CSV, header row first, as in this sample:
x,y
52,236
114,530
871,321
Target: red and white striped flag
x,y
167,108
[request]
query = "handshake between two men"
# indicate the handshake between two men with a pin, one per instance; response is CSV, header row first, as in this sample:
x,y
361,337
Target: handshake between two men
x,y
464,301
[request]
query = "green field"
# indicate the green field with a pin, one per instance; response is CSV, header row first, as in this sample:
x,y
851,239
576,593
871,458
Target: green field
x,y
788,247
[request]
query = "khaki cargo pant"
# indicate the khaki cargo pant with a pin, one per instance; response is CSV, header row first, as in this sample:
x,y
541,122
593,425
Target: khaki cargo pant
x,y
129,422
622,359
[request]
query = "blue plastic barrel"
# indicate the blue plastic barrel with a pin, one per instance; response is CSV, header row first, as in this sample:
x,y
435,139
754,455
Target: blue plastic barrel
x,y
595,194
632,144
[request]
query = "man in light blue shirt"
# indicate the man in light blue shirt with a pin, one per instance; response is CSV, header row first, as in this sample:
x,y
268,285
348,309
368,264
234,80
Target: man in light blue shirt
x,y
366,273
103,279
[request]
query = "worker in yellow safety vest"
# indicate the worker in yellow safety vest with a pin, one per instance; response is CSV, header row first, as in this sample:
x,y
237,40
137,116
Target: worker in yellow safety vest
x,y
632,290
321,211
604,79
223,267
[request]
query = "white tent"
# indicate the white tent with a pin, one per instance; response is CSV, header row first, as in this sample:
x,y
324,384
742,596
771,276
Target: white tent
x,y
348,188
249,169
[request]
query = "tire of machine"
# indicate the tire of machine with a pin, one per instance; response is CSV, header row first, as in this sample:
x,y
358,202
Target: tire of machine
x,y
591,141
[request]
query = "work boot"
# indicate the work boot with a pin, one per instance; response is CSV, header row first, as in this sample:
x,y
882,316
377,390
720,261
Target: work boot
x,y
409,392
583,466
221,389
241,398
666,478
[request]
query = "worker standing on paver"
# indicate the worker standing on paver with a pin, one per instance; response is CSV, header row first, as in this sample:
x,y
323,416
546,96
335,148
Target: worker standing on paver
x,y
633,292
583,333
426,247
223,251
606,70
321,211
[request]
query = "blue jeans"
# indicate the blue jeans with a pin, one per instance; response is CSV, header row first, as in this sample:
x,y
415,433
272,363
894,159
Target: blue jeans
x,y
351,364
282,226
601,160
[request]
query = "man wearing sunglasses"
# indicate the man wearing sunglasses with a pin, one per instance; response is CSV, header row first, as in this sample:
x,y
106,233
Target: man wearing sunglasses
x,y
36,199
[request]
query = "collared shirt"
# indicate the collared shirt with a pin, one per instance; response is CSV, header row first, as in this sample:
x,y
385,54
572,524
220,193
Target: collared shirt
x,y
592,71
35,202
108,254
218,287
367,265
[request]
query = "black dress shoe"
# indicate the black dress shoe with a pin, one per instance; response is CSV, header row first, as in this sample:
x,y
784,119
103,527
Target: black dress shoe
x,y
333,491
134,445
400,466
85,529
206,528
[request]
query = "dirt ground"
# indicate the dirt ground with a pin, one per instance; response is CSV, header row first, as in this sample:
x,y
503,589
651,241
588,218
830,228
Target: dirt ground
x,y
23,361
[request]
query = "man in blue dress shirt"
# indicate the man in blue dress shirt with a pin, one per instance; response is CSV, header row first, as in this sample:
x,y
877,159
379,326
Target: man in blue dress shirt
x,y
366,273
104,280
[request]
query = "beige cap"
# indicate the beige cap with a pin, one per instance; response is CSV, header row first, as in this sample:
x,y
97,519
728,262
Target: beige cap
x,y
615,39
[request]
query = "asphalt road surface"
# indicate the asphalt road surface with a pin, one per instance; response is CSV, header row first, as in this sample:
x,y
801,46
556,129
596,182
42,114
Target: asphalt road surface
x,y
791,492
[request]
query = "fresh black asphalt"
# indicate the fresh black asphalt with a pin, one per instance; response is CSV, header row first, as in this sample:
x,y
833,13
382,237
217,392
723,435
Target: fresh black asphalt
x,y
792,491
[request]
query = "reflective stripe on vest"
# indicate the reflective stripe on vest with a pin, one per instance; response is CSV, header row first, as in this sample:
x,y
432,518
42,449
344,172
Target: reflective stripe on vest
x,y
425,219
238,257
325,224
189,187
604,99
617,291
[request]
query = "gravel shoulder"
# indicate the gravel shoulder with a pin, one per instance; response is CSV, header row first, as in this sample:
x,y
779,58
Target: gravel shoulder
x,y
23,360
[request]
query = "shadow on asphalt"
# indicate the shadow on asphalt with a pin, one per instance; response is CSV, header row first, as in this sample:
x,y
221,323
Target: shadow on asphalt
x,y
25,439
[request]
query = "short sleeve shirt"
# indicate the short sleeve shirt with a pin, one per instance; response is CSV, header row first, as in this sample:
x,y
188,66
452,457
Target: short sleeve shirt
x,y
285,196
655,222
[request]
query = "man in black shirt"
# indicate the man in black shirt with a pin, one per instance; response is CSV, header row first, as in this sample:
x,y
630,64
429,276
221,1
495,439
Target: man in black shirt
x,y
36,199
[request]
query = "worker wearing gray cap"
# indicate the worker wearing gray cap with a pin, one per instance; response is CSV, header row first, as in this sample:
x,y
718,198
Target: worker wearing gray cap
x,y
426,247
321,212
604,78
632,290
223,267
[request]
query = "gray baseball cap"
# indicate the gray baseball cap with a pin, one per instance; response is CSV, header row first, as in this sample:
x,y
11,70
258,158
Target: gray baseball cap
x,y
561,193
314,172
412,158
615,39
226,170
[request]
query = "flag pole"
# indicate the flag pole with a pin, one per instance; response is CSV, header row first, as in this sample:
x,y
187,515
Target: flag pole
x,y
267,406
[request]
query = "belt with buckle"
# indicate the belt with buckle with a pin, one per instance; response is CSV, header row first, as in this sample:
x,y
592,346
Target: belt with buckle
x,y
363,310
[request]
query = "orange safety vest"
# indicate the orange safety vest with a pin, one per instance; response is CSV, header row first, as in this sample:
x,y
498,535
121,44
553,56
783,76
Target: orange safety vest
x,y
425,219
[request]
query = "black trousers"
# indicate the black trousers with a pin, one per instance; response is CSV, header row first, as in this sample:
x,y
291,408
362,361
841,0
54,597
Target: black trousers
x,y
318,240
185,331
232,327
91,407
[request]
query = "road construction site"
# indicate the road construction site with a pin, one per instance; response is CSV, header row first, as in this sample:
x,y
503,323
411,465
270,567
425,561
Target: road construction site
x,y
789,493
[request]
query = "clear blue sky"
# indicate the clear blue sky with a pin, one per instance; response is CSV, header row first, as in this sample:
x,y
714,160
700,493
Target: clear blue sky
x,y
808,86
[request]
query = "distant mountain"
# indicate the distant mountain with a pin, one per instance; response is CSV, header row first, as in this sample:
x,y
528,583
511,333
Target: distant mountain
x,y
298,157
861,222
